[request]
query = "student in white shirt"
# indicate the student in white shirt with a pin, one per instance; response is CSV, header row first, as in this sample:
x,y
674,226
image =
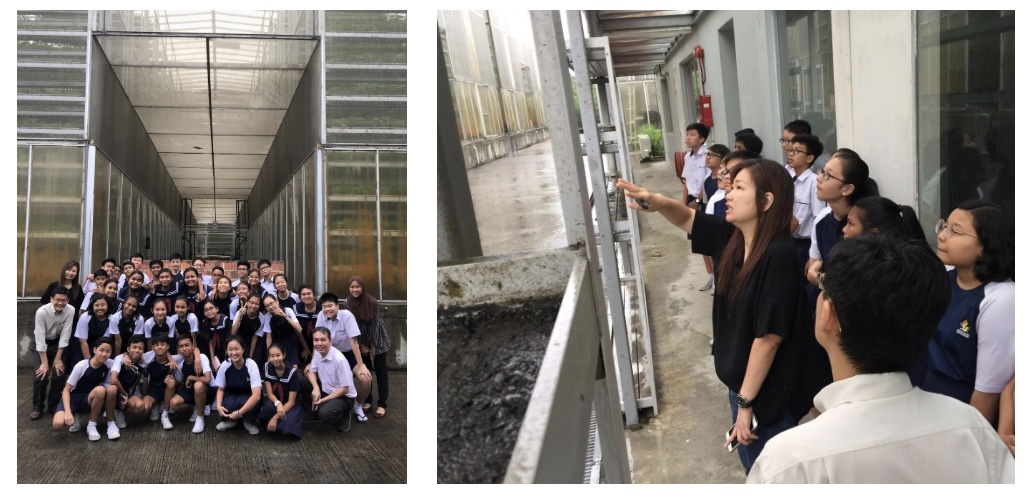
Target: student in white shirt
x,y
881,300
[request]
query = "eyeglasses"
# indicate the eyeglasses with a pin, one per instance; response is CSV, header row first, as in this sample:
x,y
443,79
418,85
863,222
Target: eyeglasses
x,y
784,140
712,155
263,268
724,173
949,229
793,151
827,176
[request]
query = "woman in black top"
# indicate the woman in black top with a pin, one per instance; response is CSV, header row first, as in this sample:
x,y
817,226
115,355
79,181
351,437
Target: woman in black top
x,y
69,278
760,317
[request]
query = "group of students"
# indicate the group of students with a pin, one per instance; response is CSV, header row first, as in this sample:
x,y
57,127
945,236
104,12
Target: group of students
x,y
771,231
260,353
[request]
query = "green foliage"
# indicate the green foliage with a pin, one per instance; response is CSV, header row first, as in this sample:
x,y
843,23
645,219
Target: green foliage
x,y
655,134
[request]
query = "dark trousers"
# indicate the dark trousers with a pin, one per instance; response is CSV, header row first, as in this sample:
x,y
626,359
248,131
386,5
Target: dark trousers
x,y
382,380
52,384
803,245
333,412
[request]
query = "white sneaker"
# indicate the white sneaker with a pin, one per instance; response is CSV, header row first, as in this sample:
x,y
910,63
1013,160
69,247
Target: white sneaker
x,y
225,425
165,422
77,423
251,428
119,419
708,284
198,426
193,416
155,412
91,431
112,431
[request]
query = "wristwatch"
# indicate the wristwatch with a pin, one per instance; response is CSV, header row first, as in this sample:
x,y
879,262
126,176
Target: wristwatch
x,y
277,403
742,402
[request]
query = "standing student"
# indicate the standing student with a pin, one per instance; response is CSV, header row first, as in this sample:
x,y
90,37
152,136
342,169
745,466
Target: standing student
x,y
249,325
155,267
713,161
91,326
307,315
136,289
85,393
127,371
283,328
216,330
760,316
374,340
239,389
109,266
345,332
280,408
694,171
199,265
286,298
127,268
195,291
804,149
49,339
972,356
186,323
242,268
99,278
331,381
125,324
222,295
265,269
69,280
877,214
192,392
138,265
789,131
254,280
160,380
159,324
167,288
175,265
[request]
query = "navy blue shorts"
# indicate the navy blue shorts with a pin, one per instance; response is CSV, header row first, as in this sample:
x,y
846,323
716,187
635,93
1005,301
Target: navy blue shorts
x,y
187,394
79,402
156,393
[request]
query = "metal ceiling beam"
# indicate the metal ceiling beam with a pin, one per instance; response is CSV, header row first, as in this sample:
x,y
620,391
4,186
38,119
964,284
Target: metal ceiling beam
x,y
643,34
630,14
636,58
671,21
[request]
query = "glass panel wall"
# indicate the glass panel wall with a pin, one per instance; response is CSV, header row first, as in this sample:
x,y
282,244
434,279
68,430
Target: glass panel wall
x,y
366,77
52,74
254,22
50,185
285,231
807,52
366,215
966,97
639,96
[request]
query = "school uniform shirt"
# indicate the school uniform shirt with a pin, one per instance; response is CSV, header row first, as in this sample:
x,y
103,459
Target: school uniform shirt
x,y
122,282
975,344
222,303
187,327
307,322
694,170
89,329
193,297
86,299
184,369
268,287
806,205
168,327
207,280
333,372
218,331
156,371
343,328
877,428
130,376
720,195
126,327
179,279
144,298
169,295
234,307
84,378
289,302
51,325
825,235
282,386
241,381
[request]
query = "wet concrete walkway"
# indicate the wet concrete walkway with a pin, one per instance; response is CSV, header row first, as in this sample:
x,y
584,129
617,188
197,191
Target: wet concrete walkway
x,y
517,208
375,452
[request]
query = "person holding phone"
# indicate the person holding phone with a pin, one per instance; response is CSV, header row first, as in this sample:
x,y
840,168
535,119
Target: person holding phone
x,y
760,318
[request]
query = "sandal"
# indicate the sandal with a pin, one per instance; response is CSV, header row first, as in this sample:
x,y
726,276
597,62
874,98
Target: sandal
x,y
380,412
361,418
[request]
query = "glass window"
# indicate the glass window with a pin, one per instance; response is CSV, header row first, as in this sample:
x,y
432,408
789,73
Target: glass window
x,y
351,219
55,214
966,99
393,190
362,21
101,209
807,53
23,188
309,221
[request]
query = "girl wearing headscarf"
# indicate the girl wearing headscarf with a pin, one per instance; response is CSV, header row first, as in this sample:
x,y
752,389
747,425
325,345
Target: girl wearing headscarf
x,y
374,340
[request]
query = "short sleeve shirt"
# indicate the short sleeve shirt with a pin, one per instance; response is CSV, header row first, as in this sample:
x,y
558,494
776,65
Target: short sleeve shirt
x,y
343,328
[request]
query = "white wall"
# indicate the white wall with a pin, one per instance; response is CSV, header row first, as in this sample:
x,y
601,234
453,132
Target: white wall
x,y
874,60
757,80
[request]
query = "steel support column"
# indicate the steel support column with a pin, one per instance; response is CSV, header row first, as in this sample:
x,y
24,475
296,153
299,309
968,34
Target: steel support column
x,y
87,210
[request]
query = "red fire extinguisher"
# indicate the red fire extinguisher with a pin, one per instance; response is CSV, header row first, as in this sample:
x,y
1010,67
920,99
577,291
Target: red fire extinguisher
x,y
704,101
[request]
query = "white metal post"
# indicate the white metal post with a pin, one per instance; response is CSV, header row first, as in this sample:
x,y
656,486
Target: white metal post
x,y
87,210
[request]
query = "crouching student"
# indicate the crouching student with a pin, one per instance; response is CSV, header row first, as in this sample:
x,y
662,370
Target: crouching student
x,y
332,383
239,389
85,393
127,370
160,380
192,392
279,407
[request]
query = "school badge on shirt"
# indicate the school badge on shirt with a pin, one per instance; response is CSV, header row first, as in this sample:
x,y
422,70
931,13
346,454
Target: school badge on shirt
x,y
963,329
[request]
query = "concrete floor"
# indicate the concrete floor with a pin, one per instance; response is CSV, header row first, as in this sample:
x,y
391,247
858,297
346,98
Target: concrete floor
x,y
518,210
375,452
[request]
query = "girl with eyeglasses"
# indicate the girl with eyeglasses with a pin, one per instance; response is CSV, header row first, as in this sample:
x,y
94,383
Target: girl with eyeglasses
x,y
972,356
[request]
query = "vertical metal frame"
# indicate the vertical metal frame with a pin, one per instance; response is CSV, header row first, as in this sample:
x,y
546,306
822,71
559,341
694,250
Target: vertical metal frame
x,y
304,222
107,219
379,229
25,243
88,200
320,215
89,71
121,187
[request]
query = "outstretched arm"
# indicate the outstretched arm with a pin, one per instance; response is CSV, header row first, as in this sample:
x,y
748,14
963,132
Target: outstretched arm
x,y
675,212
